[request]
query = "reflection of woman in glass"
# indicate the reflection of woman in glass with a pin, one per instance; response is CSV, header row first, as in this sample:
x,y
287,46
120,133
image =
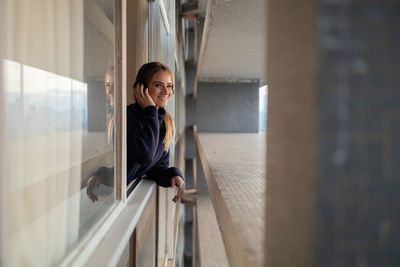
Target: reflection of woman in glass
x,y
150,128
104,175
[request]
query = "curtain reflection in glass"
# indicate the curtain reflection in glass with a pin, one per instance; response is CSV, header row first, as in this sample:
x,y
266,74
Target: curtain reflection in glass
x,y
49,152
56,55
43,162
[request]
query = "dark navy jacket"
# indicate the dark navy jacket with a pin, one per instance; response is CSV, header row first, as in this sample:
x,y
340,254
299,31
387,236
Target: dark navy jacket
x,y
145,148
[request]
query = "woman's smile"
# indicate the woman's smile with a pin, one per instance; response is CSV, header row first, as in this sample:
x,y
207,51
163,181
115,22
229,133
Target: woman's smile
x,y
161,88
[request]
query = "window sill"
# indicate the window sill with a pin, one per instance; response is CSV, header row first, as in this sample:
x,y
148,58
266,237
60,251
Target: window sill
x,y
107,244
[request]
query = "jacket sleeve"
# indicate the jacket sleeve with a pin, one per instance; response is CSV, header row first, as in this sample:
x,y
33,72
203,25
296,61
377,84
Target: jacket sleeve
x,y
105,174
143,135
161,173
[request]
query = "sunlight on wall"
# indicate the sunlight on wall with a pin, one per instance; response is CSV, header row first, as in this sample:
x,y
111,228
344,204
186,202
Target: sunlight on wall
x,y
263,108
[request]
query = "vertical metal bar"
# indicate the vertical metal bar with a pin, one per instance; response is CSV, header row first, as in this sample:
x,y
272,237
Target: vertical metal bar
x,y
133,253
156,226
120,98
194,166
195,56
194,235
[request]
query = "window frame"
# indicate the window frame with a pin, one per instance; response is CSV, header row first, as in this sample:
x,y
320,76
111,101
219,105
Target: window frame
x,y
107,243
128,209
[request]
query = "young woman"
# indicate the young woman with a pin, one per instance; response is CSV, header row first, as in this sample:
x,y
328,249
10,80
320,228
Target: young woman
x,y
150,129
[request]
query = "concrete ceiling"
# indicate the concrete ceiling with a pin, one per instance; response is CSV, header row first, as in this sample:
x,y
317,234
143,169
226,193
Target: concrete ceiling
x,y
235,47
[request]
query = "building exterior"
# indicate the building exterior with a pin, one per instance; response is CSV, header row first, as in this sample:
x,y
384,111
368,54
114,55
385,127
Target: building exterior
x,y
318,188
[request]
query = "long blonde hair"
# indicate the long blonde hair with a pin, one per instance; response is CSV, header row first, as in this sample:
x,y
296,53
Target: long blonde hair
x,y
144,76
110,117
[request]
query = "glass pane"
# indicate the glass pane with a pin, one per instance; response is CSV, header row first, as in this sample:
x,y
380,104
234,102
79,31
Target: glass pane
x,y
59,125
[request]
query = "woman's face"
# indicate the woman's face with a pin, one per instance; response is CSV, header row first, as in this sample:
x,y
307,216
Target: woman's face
x,y
109,84
161,88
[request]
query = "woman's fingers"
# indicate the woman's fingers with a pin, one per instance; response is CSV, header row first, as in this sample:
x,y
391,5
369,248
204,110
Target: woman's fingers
x,y
148,97
143,97
138,91
181,187
141,91
93,197
93,182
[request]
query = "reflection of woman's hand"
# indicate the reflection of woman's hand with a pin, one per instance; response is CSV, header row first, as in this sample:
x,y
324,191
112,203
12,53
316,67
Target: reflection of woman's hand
x,y
93,182
142,96
178,181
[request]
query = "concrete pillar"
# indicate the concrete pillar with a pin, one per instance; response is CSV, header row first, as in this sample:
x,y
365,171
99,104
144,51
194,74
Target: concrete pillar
x,y
333,146
291,123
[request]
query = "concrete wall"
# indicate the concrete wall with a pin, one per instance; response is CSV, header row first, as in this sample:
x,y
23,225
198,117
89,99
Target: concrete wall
x,y
190,73
190,102
333,133
227,107
358,189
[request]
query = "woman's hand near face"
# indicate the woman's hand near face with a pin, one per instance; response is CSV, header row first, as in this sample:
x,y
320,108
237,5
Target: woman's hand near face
x,y
178,181
142,96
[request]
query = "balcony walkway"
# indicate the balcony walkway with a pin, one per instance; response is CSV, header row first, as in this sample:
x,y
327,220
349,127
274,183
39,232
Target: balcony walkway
x,y
234,166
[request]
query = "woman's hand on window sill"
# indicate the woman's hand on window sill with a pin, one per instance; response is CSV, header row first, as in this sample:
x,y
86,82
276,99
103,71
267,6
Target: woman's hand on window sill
x,y
93,182
178,181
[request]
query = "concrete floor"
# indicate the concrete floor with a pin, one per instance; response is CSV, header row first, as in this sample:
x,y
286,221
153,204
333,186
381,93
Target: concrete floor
x,y
236,165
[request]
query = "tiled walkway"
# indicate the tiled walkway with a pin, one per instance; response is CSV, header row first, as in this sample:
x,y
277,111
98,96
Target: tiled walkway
x,y
234,166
